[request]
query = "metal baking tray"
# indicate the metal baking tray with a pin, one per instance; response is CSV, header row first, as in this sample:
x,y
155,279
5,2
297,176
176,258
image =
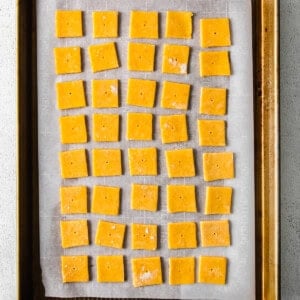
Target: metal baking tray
x,y
266,93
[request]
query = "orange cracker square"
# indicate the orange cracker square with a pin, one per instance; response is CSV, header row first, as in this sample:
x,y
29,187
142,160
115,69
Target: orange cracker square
x,y
146,271
110,234
74,268
215,233
181,270
106,162
144,197
73,199
106,200
74,233
143,236
67,60
68,23
105,93
212,269
110,268
73,164
182,235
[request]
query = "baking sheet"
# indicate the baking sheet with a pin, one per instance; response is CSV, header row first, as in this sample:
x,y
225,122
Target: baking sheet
x,y
241,273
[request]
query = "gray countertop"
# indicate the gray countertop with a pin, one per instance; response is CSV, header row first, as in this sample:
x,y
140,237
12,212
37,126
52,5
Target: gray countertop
x,y
289,142
290,146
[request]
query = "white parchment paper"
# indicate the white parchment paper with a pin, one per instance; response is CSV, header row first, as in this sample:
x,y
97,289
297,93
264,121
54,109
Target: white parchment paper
x,y
240,277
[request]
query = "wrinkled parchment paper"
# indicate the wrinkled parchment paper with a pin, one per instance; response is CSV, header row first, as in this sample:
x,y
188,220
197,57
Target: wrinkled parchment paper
x,y
240,276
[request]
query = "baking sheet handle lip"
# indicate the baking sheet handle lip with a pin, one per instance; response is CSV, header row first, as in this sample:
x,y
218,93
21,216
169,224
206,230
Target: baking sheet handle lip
x,y
29,282
266,30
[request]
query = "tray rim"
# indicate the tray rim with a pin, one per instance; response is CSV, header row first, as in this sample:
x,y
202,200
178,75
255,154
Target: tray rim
x,y
266,103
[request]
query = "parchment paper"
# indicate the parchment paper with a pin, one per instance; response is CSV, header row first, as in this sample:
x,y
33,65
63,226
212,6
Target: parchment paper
x,y
240,277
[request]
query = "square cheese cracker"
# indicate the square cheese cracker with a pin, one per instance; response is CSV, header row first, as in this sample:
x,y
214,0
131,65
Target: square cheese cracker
x,y
218,200
73,163
212,269
74,233
106,162
74,268
215,233
179,24
144,197
143,236
106,200
146,271
175,59
143,24
212,133
103,57
110,268
73,129
218,165
141,92
181,198
182,235
212,101
110,234
70,94
175,95
140,57
67,60
214,63
105,93
173,128
105,127
181,270
215,32
139,126
68,23
105,24
180,163
73,199
142,161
